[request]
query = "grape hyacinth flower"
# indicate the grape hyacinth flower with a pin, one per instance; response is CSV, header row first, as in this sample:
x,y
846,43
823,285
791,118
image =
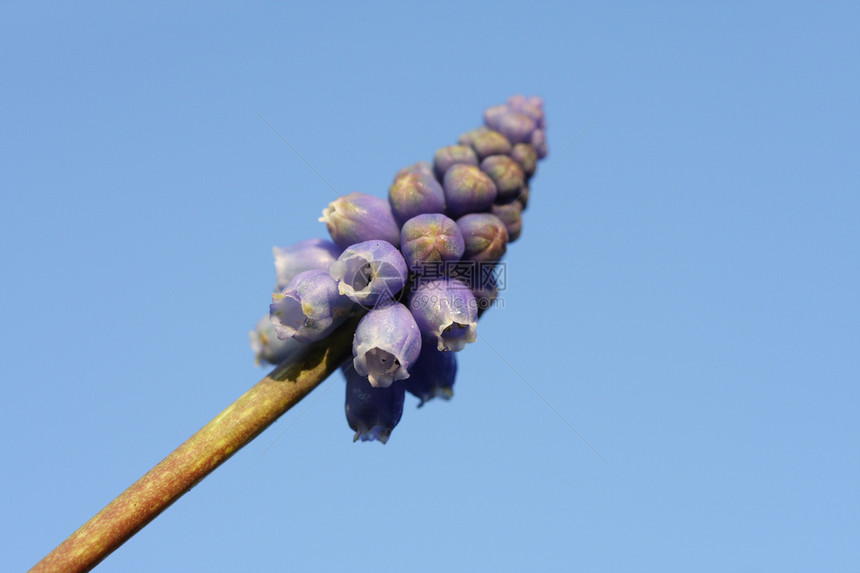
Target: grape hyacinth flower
x,y
468,190
446,313
360,217
307,255
395,348
267,346
386,344
486,142
485,237
371,412
447,157
506,174
433,375
415,193
309,308
511,215
430,238
370,273
515,126
527,157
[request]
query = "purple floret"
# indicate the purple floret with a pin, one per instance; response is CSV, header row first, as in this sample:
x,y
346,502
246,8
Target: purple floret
x,y
370,273
309,308
386,344
447,157
372,412
485,237
430,239
307,255
446,312
468,190
360,217
414,194
433,375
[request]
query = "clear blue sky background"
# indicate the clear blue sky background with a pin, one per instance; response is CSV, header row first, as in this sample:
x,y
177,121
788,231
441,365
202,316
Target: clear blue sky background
x,y
686,292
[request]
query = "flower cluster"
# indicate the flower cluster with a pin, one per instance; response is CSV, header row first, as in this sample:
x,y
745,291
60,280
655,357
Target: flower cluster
x,y
384,259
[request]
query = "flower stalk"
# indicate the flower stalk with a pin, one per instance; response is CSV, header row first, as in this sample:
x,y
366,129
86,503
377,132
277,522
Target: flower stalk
x,y
211,446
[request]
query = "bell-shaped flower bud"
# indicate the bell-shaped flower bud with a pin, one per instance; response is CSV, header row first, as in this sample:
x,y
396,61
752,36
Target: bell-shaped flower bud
x,y
370,273
485,237
447,157
526,156
307,255
486,142
511,215
414,194
360,217
371,412
446,312
507,175
386,344
430,239
468,190
309,308
268,347
433,375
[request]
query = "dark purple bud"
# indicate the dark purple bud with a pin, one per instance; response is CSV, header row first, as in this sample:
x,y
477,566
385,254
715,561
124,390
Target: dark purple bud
x,y
524,197
507,175
413,194
370,272
386,344
359,217
511,215
446,312
431,238
309,308
468,190
526,156
447,157
486,142
307,255
538,141
433,375
485,237
371,412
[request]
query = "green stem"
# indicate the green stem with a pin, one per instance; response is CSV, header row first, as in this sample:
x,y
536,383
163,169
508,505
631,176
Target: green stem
x,y
176,474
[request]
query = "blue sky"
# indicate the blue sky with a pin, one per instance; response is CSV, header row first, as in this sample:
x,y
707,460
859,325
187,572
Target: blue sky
x,y
684,294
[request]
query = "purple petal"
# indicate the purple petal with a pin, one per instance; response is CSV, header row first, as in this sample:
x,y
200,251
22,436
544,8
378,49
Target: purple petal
x,y
360,217
371,412
433,375
446,312
387,342
414,194
370,272
309,308
307,255
430,239
468,190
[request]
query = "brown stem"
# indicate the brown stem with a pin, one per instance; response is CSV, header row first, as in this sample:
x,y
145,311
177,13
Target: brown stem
x,y
176,474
